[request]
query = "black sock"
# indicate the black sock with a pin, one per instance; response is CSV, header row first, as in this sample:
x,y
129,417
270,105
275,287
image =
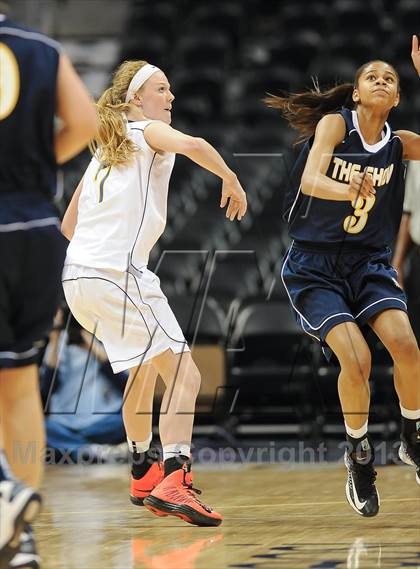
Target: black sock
x,y
141,461
361,450
175,463
410,430
5,472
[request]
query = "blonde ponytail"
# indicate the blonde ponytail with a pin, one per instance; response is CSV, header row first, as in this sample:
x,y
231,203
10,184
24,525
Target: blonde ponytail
x,y
112,145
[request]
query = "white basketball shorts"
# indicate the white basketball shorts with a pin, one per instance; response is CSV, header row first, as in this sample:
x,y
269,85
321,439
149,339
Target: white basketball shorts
x,y
128,312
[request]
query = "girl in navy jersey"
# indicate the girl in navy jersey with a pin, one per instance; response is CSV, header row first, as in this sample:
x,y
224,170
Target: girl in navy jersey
x,y
37,82
343,217
116,216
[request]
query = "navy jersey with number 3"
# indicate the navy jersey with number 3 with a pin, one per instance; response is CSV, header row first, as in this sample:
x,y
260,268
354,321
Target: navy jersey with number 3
x,y
28,78
371,222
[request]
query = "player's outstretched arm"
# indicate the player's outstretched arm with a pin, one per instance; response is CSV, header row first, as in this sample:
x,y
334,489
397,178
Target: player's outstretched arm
x,y
411,144
77,111
162,137
411,140
330,131
68,224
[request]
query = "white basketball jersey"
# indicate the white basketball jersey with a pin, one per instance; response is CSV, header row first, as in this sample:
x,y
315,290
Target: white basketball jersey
x,y
122,209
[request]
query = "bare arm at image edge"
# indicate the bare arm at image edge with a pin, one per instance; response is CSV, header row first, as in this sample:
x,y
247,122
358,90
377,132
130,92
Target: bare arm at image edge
x,y
77,111
402,247
68,224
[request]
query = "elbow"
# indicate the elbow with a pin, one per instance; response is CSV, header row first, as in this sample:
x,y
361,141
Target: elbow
x,y
306,185
85,127
93,123
89,126
65,230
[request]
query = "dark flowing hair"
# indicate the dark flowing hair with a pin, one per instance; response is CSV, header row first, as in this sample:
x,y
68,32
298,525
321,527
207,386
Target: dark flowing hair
x,y
304,110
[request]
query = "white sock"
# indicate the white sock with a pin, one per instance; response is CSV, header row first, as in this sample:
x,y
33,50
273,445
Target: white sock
x,y
174,450
139,446
408,414
357,433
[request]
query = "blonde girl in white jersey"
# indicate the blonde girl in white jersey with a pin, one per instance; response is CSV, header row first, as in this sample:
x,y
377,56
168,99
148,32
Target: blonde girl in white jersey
x,y
115,217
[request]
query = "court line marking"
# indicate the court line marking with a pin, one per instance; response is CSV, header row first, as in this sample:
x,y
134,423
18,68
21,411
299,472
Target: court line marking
x,y
297,504
248,506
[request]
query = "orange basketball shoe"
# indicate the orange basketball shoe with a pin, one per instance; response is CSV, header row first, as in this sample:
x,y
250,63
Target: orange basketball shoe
x,y
175,496
141,488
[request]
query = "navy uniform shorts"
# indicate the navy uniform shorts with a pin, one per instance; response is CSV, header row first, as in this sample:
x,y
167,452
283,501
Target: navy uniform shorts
x,y
31,262
327,288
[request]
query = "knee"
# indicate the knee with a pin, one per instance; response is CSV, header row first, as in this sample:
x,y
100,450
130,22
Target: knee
x,y
356,367
15,385
191,380
194,380
404,349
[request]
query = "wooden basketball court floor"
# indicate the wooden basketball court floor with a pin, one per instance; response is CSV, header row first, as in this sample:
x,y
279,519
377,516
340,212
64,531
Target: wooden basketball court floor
x,y
272,518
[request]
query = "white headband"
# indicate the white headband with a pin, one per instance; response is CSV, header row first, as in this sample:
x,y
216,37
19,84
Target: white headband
x,y
139,79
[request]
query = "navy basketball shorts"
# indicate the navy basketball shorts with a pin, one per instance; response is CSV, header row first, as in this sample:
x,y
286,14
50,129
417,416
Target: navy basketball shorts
x,y
31,262
328,288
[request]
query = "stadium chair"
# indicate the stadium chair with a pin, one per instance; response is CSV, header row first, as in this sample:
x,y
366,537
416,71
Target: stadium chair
x,y
402,117
155,16
177,268
408,17
216,17
355,15
301,48
357,47
299,16
200,96
146,46
271,365
100,54
333,70
202,50
226,276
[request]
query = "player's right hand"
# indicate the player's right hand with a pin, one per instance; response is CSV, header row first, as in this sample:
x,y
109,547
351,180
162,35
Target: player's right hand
x,y
361,186
235,197
415,53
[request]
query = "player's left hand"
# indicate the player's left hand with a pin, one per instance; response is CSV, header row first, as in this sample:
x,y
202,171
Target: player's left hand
x,y
415,53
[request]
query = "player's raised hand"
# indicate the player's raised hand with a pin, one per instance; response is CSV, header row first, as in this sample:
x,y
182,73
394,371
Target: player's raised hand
x,y
361,185
235,198
415,53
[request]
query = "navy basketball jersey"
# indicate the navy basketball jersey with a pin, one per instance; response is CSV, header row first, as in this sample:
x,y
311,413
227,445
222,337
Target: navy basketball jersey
x,y
371,222
28,78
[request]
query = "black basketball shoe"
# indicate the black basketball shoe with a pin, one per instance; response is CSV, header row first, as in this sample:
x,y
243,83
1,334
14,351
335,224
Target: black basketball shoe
x,y
409,453
360,488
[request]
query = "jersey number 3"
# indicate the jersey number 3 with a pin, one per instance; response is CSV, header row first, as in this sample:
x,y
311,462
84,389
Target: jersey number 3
x,y
356,222
9,81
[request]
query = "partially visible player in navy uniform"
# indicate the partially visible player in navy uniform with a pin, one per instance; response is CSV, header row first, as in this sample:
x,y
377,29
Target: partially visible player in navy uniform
x,y
37,81
343,217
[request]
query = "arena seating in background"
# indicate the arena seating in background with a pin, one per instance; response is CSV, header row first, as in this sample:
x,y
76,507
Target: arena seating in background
x,y
271,366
